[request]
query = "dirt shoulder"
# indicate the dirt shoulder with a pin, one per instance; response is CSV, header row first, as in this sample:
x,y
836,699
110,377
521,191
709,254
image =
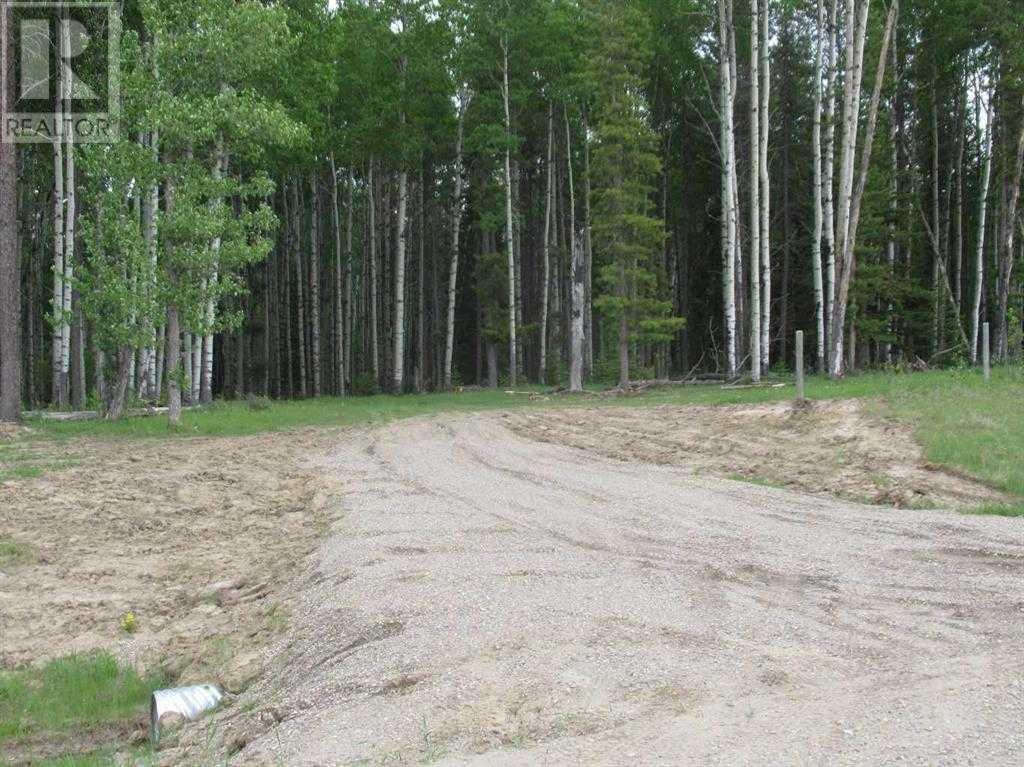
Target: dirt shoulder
x,y
197,538
840,448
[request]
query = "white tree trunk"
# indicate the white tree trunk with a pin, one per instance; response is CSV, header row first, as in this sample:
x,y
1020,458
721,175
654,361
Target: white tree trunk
x,y
314,284
57,302
853,62
588,267
546,279
578,305
509,225
765,190
339,304
453,269
70,214
398,379
150,205
831,78
979,261
726,144
755,191
399,286
818,192
577,265
206,383
852,203
374,295
349,309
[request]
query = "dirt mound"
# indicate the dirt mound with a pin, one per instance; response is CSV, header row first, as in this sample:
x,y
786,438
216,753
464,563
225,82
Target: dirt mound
x,y
840,448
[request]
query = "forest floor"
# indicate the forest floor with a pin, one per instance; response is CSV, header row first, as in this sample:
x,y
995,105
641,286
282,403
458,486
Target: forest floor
x,y
215,546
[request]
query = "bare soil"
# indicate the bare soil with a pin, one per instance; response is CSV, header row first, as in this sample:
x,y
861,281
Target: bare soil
x,y
839,448
196,538
489,599
455,590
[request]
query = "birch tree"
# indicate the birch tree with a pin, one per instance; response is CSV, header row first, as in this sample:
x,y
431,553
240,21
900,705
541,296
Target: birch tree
x,y
729,184
764,183
986,175
509,223
456,216
817,190
850,200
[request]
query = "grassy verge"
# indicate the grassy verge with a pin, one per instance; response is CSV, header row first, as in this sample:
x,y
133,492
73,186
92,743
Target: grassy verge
x,y
963,422
70,709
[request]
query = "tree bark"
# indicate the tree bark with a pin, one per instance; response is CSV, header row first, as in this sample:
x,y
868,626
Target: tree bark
x,y
546,248
979,260
576,275
818,193
118,395
509,225
206,383
10,274
588,267
765,192
755,191
314,284
57,304
851,203
401,234
374,293
831,78
421,295
299,289
727,148
453,268
339,303
1007,255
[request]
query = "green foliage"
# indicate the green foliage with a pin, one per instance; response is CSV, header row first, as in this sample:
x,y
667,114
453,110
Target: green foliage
x,y
628,239
364,385
491,285
72,694
14,553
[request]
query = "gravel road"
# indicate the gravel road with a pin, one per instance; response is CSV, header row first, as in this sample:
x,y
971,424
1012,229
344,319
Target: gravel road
x,y
490,600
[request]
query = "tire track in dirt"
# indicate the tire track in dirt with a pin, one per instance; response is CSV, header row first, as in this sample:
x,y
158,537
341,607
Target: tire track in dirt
x,y
559,606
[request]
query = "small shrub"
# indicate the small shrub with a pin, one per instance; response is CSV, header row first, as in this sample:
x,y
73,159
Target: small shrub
x,y
129,623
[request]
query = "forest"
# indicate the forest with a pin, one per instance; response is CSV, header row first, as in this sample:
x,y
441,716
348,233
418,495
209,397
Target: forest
x,y
306,198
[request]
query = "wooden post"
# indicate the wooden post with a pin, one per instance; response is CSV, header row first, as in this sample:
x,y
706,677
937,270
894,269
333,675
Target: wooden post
x,y
800,366
986,352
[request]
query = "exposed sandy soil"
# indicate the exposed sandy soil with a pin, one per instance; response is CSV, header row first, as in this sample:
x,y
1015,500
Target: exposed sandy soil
x,y
488,599
839,448
196,537
455,590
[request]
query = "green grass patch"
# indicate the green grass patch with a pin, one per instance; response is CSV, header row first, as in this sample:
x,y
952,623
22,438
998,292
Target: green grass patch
x,y
25,459
1000,510
963,422
71,704
14,553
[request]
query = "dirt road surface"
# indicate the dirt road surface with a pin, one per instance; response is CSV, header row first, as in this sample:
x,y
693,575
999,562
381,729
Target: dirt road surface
x,y
488,599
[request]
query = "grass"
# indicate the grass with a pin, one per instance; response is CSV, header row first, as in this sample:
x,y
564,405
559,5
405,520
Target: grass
x,y
14,553
963,422
78,700
1000,510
